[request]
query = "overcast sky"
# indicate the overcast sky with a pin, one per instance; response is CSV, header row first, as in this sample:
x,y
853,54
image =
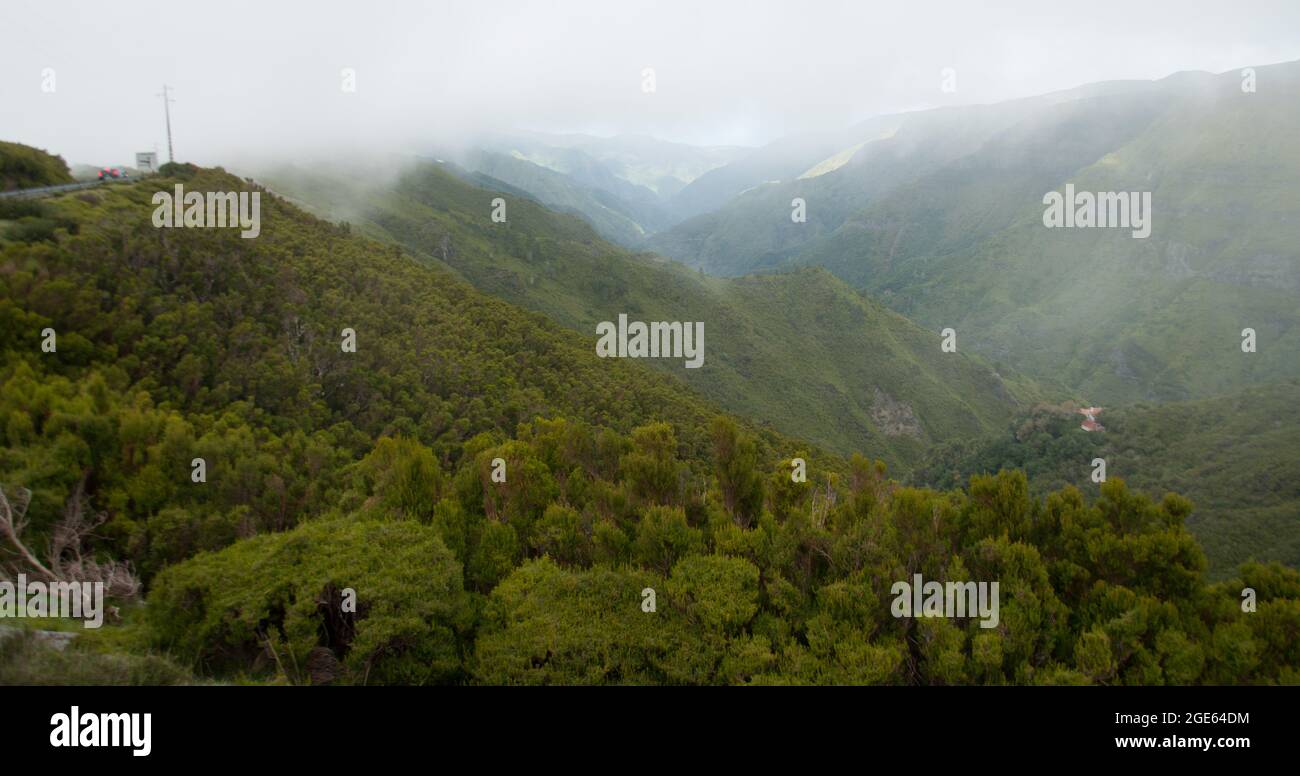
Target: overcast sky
x,y
267,75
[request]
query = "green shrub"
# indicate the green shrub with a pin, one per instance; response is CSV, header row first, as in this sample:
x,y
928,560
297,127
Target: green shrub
x,y
32,229
24,167
278,601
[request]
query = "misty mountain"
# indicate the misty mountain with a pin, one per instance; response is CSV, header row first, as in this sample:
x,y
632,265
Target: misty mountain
x,y
745,222
802,352
623,186
641,161
782,160
950,233
615,218
667,344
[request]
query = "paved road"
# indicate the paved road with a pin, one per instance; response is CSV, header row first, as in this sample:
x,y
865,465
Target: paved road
x,y
42,190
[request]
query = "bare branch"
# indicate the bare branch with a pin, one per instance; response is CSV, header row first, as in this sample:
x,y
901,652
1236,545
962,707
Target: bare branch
x,y
13,521
65,562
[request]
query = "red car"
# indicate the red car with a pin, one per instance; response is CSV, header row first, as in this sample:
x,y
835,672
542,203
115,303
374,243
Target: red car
x,y
112,172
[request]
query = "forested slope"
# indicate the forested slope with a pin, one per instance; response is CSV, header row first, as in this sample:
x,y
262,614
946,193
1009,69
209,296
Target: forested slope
x,y
1233,456
372,475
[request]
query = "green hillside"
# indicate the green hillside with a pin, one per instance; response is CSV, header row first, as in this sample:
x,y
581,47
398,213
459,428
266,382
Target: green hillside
x,y
369,476
195,339
1233,456
802,351
24,167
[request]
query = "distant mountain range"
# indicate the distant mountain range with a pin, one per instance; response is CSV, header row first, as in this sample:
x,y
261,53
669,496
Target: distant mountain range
x,y
940,217
626,187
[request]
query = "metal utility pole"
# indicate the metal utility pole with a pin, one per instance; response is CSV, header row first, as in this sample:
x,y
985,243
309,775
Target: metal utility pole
x,y
167,101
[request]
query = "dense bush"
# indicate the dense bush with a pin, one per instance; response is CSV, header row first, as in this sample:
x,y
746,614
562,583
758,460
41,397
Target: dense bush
x,y
283,596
